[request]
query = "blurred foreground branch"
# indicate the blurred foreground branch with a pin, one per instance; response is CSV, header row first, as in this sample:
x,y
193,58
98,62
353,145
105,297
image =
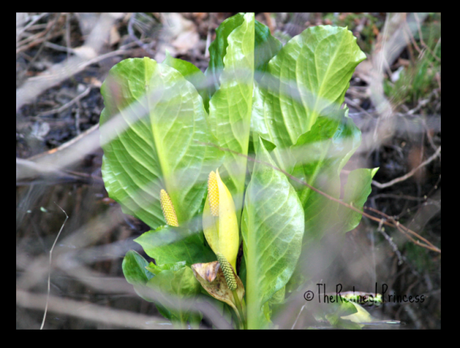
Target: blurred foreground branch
x,y
89,311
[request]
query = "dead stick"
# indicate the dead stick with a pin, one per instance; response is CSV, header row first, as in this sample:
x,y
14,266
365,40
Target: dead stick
x,y
66,105
390,222
408,175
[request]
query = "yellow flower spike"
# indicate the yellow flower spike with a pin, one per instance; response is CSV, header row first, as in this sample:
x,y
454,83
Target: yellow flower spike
x,y
220,225
168,209
213,194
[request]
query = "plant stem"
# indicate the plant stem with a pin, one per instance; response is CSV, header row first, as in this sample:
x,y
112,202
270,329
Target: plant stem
x,y
240,309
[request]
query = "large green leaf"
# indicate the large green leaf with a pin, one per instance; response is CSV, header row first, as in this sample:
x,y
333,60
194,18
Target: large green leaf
x,y
218,49
327,221
152,130
319,156
297,107
176,290
272,230
191,74
239,39
170,245
141,274
308,78
327,148
265,47
230,107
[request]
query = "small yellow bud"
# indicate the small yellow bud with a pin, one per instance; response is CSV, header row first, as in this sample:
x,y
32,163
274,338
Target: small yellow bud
x,y
168,209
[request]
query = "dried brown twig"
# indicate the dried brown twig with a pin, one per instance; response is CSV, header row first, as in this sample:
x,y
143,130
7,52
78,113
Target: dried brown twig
x,y
66,105
40,37
409,174
386,220
405,231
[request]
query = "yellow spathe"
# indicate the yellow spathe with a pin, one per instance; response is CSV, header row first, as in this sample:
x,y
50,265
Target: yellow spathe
x,y
221,231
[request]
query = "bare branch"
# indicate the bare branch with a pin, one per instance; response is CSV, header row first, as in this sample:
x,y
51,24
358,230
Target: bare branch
x,y
408,175
388,220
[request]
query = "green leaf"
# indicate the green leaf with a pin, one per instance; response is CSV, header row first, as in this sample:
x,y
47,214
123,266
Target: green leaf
x,y
319,156
134,268
307,79
176,290
230,107
218,48
155,269
357,189
152,130
171,245
265,47
360,316
192,74
297,107
326,152
346,315
272,230
276,299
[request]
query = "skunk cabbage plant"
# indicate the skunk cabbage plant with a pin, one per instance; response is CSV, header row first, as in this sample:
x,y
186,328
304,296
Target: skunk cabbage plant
x,y
208,162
